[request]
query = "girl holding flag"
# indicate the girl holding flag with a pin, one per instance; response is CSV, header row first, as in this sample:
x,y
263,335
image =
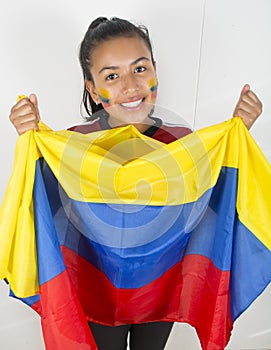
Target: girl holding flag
x,y
120,88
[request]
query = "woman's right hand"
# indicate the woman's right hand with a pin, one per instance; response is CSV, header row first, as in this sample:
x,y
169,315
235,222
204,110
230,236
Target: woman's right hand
x,y
24,115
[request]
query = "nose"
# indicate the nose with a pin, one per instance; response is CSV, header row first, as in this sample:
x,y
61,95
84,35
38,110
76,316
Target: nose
x,y
129,84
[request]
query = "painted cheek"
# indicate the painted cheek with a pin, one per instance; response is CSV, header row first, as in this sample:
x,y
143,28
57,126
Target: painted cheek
x,y
153,84
104,96
154,95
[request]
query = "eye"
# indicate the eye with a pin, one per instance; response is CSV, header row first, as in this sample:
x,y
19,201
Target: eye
x,y
111,76
140,69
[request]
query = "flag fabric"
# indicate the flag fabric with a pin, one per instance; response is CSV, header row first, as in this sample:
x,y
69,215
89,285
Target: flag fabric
x,y
116,228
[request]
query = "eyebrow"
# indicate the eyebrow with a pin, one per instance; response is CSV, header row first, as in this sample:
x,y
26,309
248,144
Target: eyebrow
x,y
132,64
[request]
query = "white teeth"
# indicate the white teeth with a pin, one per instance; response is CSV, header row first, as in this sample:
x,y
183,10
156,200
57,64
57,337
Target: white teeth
x,y
131,104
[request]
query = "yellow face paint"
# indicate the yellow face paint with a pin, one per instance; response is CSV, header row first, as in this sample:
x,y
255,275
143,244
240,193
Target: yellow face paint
x,y
153,87
153,84
104,96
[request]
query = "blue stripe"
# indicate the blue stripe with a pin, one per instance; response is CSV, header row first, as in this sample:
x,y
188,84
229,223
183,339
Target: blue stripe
x,y
152,239
28,301
213,237
250,271
50,260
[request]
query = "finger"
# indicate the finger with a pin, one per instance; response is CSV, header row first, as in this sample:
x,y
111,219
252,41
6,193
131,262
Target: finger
x,y
20,103
243,107
246,99
24,119
34,99
246,116
22,110
19,120
25,105
253,96
255,106
253,109
26,127
245,89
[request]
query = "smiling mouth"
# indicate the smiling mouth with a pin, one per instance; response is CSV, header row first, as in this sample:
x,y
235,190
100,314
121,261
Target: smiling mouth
x,y
133,104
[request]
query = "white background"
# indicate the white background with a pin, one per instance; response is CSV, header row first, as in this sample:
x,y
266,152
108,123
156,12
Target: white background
x,y
206,50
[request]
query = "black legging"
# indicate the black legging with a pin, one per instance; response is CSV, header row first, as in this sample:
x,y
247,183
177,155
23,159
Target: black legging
x,y
145,336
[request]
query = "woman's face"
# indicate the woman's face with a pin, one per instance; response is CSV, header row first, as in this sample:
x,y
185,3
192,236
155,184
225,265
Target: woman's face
x,y
124,80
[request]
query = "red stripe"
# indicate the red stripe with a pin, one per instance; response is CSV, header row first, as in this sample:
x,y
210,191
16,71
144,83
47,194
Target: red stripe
x,y
193,291
64,324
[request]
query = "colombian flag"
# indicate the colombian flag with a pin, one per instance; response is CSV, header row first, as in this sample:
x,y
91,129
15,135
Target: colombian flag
x,y
115,227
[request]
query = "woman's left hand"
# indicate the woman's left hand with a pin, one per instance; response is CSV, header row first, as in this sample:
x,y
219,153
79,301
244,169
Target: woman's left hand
x,y
249,107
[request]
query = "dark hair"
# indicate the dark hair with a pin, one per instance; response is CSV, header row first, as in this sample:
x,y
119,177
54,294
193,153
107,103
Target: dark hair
x,y
99,31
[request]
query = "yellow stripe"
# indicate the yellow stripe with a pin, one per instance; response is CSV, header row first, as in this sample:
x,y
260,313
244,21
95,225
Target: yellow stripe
x,y
122,165
18,262
20,97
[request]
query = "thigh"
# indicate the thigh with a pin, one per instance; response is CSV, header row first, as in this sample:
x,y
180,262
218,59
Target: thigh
x,y
110,338
150,336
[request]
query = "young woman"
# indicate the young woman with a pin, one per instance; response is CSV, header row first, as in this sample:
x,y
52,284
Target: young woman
x,y
120,88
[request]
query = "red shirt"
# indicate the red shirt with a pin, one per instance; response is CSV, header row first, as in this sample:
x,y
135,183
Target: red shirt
x,y
162,132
